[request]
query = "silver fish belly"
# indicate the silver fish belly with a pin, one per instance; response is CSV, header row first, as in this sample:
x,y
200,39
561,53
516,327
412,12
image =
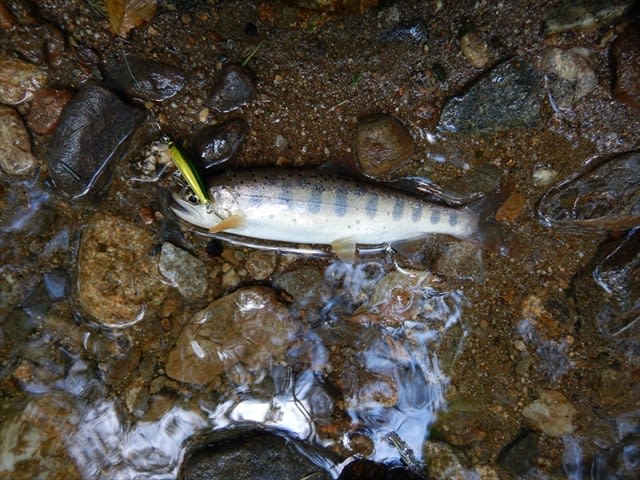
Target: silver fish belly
x,y
311,207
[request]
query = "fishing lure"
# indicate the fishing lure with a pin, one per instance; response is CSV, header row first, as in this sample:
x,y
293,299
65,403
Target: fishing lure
x,y
188,170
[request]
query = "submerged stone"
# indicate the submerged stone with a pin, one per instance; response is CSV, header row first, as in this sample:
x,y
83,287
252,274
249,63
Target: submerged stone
x,y
569,75
241,332
507,97
585,14
146,80
92,134
118,280
16,158
252,455
552,414
186,272
19,80
604,194
235,88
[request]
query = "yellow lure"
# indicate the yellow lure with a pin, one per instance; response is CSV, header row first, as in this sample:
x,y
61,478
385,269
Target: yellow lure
x,y
189,171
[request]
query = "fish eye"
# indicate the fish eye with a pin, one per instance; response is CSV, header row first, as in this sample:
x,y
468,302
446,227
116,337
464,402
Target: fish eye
x,y
192,198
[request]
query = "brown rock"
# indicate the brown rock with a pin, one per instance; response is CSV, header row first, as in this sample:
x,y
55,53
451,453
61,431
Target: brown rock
x,y
118,281
15,144
19,80
626,63
241,332
46,109
511,208
382,144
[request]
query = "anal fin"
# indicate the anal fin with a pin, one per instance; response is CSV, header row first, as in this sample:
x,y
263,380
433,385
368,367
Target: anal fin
x,y
232,221
345,249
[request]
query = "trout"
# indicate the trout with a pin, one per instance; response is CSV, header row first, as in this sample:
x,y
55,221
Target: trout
x,y
312,207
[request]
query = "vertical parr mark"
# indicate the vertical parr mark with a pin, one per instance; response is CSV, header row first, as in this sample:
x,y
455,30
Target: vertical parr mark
x,y
341,201
285,196
315,201
453,219
398,209
435,216
371,207
416,214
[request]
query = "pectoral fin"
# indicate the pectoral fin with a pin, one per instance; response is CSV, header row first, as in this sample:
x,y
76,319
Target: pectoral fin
x,y
345,249
233,221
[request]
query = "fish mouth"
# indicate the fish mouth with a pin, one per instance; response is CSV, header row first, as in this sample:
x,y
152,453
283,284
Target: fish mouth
x,y
199,215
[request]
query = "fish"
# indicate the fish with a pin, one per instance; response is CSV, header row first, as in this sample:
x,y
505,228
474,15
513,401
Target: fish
x,y
314,207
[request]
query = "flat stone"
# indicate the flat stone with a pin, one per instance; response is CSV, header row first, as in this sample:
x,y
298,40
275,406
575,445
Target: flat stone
x,y
507,97
241,332
186,272
16,158
570,76
118,279
78,164
216,144
19,80
552,414
235,87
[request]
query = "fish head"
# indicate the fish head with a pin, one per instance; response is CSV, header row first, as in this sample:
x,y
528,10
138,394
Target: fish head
x,y
188,207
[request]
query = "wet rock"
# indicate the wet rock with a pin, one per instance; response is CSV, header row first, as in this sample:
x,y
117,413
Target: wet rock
x,y
301,284
143,79
235,88
41,43
118,280
570,75
309,14
603,194
33,441
216,144
625,54
236,334
46,109
19,80
585,15
511,208
186,272
607,294
444,463
361,469
519,457
507,97
15,145
382,144
260,265
474,49
78,164
552,414
463,424
256,455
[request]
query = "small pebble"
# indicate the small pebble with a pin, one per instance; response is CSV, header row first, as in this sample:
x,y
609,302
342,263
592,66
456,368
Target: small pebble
x,y
15,144
46,110
544,176
474,49
235,88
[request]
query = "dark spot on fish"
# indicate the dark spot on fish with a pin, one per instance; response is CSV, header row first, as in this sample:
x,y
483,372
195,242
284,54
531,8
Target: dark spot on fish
x,y
371,208
453,219
435,217
341,202
315,202
416,215
398,209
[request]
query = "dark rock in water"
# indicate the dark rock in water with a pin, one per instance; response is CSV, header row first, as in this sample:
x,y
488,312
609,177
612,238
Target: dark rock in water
x,y
607,293
93,132
520,455
146,80
215,144
625,55
507,97
235,88
604,194
257,455
585,14
382,144
362,469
